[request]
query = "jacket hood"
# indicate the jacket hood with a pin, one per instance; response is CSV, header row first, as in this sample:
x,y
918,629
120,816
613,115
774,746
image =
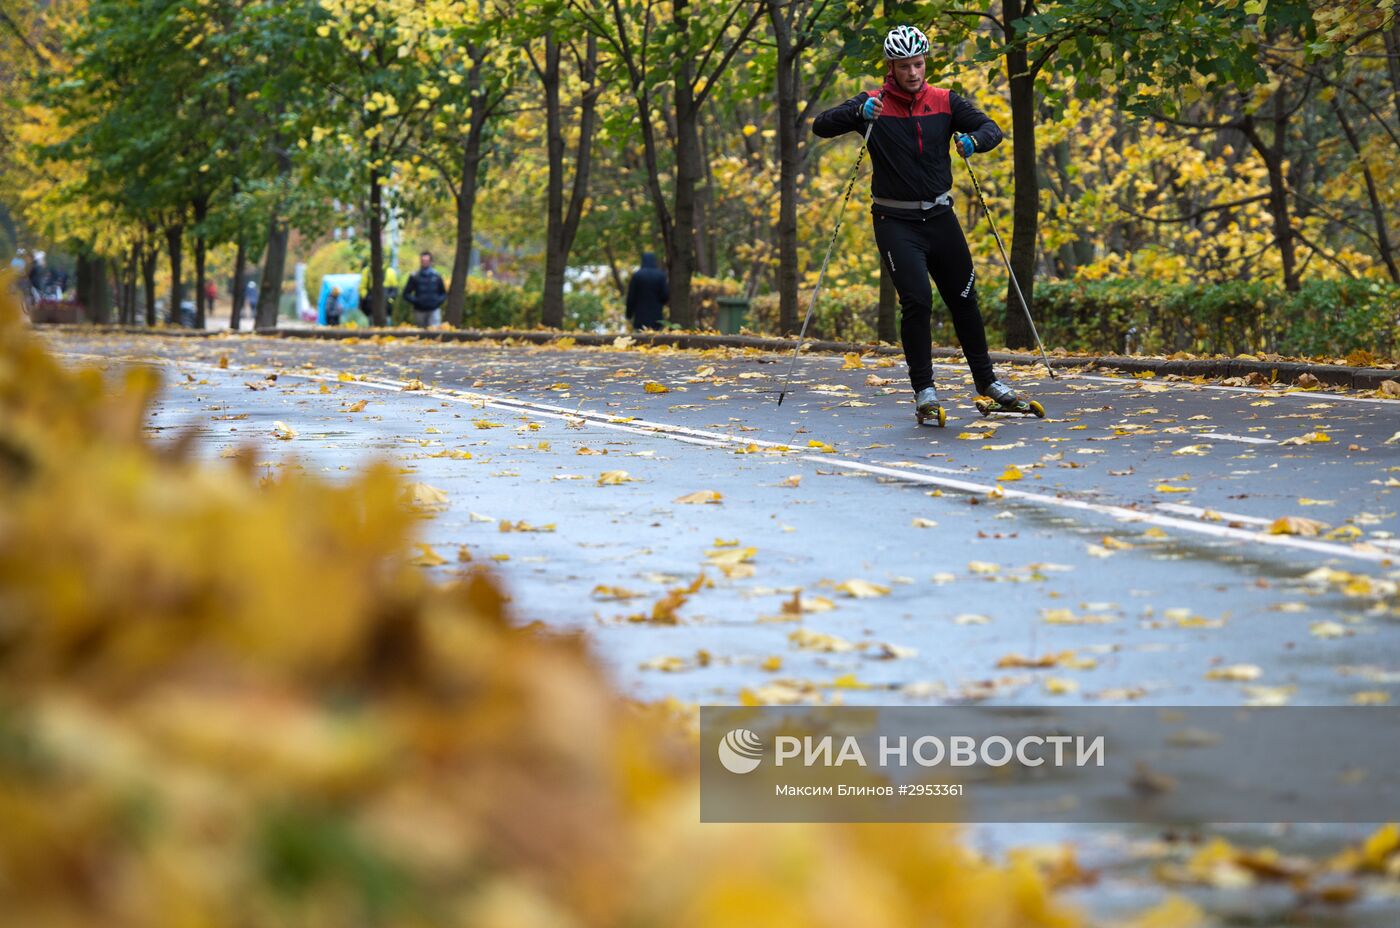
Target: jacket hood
x,y
648,259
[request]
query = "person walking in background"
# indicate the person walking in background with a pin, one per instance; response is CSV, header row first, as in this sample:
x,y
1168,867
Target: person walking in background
x,y
647,293
44,280
391,288
333,307
425,292
211,295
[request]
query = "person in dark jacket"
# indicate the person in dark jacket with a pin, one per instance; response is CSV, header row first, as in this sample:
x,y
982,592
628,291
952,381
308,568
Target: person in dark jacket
x,y
333,307
915,227
425,292
647,292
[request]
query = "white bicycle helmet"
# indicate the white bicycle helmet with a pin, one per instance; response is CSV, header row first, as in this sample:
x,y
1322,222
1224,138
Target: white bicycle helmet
x,y
905,42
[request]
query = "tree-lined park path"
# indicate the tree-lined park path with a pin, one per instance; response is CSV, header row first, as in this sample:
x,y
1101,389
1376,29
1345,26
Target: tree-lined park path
x,y
1149,541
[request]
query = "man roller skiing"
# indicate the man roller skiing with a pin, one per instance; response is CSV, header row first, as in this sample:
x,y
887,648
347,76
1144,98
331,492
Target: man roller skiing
x,y
915,228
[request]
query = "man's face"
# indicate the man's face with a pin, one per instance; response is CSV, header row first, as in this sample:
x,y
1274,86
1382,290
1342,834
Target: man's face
x,y
425,261
908,73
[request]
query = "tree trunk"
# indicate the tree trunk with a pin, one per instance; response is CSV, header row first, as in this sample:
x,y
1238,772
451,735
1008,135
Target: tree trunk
x,y
201,309
174,239
132,270
378,316
552,305
275,258
91,287
561,228
789,166
1025,210
681,252
1273,154
472,156
149,254
274,268
240,284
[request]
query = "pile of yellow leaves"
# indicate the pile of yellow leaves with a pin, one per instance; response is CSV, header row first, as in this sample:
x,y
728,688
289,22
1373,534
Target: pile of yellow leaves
x,y
225,703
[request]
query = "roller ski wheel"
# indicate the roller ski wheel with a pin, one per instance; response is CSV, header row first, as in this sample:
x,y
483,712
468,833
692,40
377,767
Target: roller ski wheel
x,y
928,409
936,416
1016,408
998,397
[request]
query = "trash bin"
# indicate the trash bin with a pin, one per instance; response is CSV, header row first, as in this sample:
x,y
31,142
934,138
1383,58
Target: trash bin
x,y
733,313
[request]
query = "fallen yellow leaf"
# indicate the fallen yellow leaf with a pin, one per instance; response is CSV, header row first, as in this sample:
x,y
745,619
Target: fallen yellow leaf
x,y
728,557
421,494
1311,438
1011,473
610,478
652,386
1235,672
700,496
613,593
283,432
1296,525
427,557
809,640
862,589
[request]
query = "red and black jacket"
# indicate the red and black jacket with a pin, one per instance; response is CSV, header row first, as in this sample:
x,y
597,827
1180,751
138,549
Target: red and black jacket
x,y
910,142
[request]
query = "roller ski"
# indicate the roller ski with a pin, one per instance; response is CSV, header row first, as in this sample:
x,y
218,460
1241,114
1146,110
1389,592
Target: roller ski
x,y
927,408
999,398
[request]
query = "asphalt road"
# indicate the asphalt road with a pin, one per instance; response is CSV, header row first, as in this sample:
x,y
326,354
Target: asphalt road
x,y
1117,551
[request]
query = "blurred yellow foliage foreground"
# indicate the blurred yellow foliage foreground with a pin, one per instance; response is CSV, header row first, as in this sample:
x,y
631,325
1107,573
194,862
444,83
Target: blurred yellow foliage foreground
x,y
232,704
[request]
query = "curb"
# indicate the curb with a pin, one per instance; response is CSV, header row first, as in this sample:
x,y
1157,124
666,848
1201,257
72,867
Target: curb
x,y
1285,371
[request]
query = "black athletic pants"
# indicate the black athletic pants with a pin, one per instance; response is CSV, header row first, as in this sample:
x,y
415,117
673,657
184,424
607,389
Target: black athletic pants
x,y
914,250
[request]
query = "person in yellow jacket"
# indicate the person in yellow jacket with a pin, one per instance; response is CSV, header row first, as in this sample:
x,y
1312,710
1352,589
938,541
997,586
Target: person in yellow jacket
x,y
391,289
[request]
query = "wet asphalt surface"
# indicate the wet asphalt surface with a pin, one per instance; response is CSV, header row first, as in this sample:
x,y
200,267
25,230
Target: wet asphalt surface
x,y
916,585
976,588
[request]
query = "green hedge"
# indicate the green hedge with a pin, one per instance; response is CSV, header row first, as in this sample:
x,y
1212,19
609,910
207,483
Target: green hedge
x,y
848,314
1326,318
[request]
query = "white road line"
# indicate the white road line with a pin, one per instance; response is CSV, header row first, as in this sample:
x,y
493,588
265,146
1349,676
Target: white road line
x,y
716,439
930,467
1225,436
1200,513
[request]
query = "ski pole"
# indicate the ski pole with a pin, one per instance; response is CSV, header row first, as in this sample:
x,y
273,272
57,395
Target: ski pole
x,y
978,187
821,275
